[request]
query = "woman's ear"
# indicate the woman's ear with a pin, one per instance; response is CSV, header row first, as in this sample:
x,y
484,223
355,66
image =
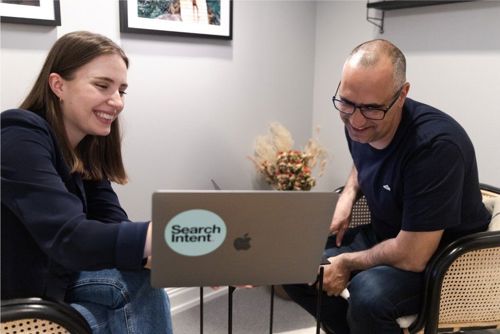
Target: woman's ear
x,y
56,85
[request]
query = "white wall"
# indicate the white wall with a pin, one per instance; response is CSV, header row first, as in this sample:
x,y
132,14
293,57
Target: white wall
x,y
453,63
340,26
453,57
194,106
202,103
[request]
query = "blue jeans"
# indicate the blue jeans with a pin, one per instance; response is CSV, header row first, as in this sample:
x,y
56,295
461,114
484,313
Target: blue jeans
x,y
121,302
379,295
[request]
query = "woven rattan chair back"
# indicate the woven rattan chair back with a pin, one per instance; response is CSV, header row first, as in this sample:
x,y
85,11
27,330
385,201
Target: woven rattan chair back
x,y
470,293
360,213
32,326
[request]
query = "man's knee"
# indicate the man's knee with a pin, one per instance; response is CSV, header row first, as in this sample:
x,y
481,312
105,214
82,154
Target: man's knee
x,y
368,297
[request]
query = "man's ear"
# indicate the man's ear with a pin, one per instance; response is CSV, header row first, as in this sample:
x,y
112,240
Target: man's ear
x,y
404,93
56,83
406,89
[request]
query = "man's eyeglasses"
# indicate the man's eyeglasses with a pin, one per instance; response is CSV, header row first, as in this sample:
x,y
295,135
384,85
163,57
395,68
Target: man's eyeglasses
x,y
369,112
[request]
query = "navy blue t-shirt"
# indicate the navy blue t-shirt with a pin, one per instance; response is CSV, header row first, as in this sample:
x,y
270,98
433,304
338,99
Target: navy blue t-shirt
x,y
426,179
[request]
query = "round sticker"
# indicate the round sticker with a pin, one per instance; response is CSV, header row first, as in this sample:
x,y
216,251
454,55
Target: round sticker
x,y
195,232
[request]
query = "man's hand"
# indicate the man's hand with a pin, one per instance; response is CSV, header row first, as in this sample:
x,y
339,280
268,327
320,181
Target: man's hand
x,y
335,276
343,210
340,221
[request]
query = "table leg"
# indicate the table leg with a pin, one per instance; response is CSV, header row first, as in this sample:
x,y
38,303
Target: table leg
x,y
318,306
230,310
272,311
201,310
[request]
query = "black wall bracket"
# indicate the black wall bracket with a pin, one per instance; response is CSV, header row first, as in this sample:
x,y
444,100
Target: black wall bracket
x,y
382,5
371,17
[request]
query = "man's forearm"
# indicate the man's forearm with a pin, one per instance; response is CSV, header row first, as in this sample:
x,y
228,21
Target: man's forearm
x,y
387,252
351,188
407,251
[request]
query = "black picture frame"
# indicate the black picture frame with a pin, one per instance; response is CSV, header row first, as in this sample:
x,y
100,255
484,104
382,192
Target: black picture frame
x,y
136,17
39,12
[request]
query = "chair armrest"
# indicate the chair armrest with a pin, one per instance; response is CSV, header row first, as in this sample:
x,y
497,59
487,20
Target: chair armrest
x,y
494,191
438,267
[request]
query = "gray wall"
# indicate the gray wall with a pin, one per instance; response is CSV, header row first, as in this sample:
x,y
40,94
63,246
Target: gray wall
x,y
453,63
195,106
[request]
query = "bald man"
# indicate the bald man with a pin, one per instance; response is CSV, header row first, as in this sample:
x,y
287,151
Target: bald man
x,y
417,168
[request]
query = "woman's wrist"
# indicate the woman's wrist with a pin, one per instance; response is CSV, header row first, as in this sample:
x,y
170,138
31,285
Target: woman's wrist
x,y
147,243
147,262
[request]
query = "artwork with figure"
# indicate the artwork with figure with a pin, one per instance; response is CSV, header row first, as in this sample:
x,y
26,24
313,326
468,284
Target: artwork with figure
x,y
189,11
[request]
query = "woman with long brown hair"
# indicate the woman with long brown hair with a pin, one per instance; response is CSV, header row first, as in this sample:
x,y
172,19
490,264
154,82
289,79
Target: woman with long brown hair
x,y
64,234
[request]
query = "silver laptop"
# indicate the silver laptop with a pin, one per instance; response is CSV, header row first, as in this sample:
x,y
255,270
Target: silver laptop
x,y
215,238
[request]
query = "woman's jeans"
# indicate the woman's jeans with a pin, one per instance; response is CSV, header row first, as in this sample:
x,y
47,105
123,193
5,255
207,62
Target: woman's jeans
x,y
121,302
379,295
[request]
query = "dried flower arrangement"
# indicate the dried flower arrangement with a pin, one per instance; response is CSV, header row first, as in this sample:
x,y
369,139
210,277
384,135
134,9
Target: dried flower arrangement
x,y
283,167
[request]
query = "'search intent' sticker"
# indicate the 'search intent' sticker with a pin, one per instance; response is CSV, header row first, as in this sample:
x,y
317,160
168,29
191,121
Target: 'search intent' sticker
x,y
195,232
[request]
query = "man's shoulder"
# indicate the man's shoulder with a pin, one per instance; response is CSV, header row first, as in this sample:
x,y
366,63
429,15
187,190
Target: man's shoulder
x,y
416,109
430,122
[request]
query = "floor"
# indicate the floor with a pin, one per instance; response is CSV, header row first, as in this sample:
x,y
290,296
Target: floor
x,y
251,316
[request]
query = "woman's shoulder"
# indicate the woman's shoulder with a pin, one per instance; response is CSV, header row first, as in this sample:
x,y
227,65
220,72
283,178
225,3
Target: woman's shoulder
x,y
19,124
23,118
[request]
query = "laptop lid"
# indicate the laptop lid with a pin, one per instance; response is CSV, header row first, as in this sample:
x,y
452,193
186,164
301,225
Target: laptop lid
x,y
212,238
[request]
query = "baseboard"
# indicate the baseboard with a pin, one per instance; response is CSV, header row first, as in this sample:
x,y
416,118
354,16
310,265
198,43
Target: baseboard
x,y
182,299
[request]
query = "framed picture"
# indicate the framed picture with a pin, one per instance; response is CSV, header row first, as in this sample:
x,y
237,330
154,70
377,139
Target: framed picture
x,y
41,12
200,18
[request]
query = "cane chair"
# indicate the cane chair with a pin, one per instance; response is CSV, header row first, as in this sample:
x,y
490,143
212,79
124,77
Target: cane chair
x,y
462,282
41,316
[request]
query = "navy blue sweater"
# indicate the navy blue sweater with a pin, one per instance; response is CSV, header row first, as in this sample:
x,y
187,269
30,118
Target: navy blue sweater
x,y
55,224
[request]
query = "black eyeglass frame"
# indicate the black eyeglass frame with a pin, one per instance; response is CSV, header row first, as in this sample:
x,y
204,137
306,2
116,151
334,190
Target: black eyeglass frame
x,y
362,108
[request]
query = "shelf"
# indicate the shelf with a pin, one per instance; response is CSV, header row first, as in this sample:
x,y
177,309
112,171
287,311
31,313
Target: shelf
x,y
401,4
385,5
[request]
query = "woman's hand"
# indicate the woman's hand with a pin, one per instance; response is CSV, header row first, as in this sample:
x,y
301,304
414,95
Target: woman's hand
x,y
148,263
237,286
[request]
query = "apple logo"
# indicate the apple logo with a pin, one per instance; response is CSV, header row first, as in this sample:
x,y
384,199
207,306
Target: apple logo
x,y
242,243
